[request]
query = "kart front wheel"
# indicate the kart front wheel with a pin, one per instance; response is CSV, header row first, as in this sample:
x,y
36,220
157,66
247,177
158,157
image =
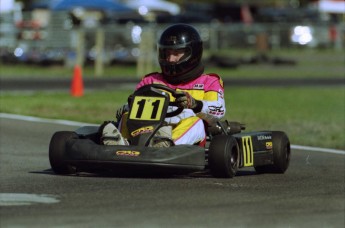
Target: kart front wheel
x,y
223,156
57,148
281,154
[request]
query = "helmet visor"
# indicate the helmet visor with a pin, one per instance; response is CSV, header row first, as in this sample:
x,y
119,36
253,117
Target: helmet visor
x,y
171,56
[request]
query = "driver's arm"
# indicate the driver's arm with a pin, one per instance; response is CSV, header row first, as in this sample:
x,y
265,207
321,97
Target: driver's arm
x,y
210,106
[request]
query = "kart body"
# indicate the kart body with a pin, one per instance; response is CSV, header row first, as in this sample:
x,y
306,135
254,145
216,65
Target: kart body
x,y
228,148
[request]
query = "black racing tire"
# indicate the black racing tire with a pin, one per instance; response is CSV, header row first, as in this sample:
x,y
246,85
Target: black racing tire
x,y
57,151
223,156
281,154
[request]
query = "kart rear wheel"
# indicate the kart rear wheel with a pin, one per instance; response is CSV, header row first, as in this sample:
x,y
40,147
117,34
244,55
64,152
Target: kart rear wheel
x,y
223,156
281,154
57,149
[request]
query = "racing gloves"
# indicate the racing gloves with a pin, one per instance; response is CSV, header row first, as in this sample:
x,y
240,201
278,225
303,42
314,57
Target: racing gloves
x,y
185,100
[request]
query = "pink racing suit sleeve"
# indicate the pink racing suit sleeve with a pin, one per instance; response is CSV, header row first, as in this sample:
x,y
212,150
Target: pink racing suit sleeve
x,y
213,108
143,82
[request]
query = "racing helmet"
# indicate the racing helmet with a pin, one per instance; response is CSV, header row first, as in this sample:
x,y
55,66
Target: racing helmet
x,y
189,67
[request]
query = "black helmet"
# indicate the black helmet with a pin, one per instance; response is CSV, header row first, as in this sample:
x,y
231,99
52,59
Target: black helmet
x,y
189,67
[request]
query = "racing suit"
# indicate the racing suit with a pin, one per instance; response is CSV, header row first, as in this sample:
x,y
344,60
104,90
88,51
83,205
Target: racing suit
x,y
188,127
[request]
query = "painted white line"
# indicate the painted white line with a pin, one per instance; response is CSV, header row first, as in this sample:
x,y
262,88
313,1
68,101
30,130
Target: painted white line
x,y
75,123
20,199
44,120
318,149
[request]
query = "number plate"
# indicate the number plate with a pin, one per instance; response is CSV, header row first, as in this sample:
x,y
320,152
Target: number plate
x,y
147,108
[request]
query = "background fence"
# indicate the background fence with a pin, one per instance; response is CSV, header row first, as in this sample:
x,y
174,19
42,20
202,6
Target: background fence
x,y
64,43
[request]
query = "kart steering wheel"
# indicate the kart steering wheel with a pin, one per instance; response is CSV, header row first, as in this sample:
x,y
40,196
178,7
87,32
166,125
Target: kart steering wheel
x,y
171,103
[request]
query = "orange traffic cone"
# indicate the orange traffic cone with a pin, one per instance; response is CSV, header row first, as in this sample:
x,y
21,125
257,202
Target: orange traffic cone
x,y
77,86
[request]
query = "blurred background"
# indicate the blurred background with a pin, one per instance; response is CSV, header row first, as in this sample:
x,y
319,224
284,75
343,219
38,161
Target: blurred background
x,y
109,32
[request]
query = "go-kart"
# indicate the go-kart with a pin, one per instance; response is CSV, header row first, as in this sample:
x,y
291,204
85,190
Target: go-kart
x,y
226,150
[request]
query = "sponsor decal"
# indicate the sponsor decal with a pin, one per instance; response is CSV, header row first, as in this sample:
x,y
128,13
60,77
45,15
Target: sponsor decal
x,y
142,130
214,110
198,86
269,145
221,93
264,137
129,153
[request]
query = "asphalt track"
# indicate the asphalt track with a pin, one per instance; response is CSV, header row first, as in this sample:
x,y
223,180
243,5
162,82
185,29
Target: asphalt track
x,y
309,194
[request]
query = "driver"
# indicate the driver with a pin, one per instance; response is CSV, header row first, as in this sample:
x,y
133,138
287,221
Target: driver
x,y
201,95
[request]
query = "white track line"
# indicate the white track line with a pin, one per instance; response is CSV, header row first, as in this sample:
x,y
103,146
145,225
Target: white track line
x,y
75,123
23,199
318,149
43,120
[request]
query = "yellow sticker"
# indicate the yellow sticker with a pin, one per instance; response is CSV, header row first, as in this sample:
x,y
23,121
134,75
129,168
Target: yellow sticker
x,y
129,153
247,148
142,130
269,145
147,108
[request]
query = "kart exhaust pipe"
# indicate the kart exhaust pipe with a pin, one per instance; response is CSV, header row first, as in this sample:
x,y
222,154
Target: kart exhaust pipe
x,y
226,127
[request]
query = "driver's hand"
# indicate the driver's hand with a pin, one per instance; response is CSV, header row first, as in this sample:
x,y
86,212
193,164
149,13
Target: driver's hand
x,y
185,100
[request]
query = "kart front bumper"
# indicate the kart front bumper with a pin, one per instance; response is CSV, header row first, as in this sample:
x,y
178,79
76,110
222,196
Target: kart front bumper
x,y
86,154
